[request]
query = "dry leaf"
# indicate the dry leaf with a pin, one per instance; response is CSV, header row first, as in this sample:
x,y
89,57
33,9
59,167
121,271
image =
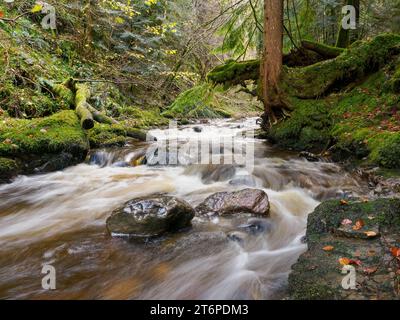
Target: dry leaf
x,y
359,225
1,14
344,202
395,252
370,270
347,222
371,234
328,248
344,261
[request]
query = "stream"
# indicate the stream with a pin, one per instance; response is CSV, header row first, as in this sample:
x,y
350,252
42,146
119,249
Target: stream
x,y
59,219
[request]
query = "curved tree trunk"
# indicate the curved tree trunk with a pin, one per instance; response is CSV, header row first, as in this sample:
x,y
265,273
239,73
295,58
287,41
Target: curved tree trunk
x,y
271,68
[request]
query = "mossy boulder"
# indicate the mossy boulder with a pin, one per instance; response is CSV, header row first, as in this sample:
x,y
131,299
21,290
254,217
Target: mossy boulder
x,y
35,142
8,169
332,235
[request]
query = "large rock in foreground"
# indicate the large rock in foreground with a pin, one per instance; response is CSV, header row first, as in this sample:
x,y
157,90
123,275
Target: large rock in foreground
x,y
362,236
252,201
150,217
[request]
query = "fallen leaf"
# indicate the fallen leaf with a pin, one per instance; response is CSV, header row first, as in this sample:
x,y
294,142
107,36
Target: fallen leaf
x,y
344,202
371,253
371,234
355,262
357,254
359,225
370,270
37,8
7,141
395,252
347,222
1,14
344,261
328,248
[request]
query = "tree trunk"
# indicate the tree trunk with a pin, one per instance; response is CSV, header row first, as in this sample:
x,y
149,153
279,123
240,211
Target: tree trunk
x,y
271,68
345,36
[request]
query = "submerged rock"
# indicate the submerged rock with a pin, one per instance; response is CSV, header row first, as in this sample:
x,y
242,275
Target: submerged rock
x,y
150,217
198,129
355,235
252,201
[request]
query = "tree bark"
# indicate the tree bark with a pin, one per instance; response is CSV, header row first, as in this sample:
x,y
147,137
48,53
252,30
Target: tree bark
x,y
271,68
345,36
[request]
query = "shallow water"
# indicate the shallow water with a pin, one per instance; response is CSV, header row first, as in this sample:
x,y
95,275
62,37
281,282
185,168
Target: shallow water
x,y
59,219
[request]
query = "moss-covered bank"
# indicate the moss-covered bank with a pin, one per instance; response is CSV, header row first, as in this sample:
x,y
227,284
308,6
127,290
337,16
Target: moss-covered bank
x,y
331,244
44,144
357,113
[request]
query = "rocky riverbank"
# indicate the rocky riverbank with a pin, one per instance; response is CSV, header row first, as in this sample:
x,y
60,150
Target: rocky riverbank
x,y
341,235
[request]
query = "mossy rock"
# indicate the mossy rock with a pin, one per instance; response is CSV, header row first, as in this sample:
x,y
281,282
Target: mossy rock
x,y
105,135
318,273
37,144
8,169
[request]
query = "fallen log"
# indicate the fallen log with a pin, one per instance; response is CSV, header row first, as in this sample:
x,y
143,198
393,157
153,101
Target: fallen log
x,y
82,94
101,117
326,51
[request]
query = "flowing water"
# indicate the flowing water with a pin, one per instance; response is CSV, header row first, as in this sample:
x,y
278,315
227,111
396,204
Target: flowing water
x,y
59,219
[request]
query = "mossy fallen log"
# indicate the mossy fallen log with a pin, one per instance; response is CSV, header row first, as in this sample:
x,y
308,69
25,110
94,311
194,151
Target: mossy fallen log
x,y
361,59
82,106
101,117
137,134
326,51
233,73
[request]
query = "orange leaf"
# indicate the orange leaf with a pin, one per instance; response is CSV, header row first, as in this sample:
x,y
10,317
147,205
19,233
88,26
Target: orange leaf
x,y
328,248
344,261
395,252
370,270
1,14
359,225
344,202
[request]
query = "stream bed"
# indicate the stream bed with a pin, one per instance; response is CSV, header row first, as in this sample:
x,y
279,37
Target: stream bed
x,y
59,219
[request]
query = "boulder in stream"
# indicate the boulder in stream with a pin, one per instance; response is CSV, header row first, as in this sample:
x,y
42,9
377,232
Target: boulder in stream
x,y
149,217
252,201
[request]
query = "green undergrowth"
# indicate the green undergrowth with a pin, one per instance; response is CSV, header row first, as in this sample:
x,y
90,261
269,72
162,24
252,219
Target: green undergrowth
x,y
213,101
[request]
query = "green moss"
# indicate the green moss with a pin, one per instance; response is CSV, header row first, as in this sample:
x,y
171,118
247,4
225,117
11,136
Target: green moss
x,y
7,168
233,73
354,63
307,128
57,133
105,135
141,118
209,101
